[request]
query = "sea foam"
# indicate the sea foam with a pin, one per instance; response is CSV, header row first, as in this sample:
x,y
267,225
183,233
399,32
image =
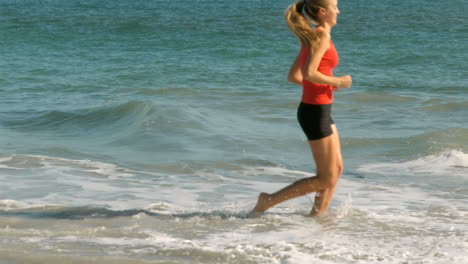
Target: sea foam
x,y
451,162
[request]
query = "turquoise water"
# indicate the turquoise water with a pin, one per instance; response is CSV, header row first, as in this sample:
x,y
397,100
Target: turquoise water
x,y
135,131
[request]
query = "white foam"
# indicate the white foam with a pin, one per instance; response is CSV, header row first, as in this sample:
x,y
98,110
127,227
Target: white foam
x,y
278,171
356,237
453,161
60,164
160,208
345,207
13,205
368,222
96,167
43,180
5,159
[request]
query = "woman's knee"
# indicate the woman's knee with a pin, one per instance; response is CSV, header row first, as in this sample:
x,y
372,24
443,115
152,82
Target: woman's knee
x,y
339,171
330,182
339,168
330,177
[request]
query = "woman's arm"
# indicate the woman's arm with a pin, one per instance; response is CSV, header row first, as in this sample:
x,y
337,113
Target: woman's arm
x,y
311,72
295,73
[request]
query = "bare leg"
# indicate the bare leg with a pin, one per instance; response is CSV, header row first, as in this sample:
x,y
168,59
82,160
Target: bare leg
x,y
327,156
298,188
322,201
333,164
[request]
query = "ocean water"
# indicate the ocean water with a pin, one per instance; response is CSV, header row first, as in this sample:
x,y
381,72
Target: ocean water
x,y
143,131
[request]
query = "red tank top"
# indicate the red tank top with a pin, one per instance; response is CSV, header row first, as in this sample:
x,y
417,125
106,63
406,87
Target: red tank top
x,y
314,93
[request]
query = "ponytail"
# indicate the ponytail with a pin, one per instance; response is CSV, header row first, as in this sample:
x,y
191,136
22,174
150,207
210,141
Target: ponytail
x,y
298,17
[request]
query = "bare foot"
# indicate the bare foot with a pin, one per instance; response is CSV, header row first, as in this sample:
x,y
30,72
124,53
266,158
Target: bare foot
x,y
317,213
261,206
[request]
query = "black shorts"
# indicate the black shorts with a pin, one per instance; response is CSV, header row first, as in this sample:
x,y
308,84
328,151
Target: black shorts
x,y
315,120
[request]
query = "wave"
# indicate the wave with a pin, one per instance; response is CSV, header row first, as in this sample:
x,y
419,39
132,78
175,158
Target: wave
x,y
47,167
122,115
143,124
9,208
438,140
378,97
58,212
450,162
445,107
12,208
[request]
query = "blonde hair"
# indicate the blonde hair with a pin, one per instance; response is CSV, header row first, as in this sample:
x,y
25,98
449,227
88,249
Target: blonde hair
x,y
299,16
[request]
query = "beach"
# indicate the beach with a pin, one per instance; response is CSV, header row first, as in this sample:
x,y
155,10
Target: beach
x,y
143,132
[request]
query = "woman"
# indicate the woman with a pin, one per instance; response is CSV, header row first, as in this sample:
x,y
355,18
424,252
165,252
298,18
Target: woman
x,y
313,69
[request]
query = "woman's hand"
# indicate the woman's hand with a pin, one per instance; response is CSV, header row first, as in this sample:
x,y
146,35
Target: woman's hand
x,y
345,81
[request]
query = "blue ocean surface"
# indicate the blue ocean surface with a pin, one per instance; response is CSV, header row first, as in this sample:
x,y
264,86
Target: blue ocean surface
x,y
143,131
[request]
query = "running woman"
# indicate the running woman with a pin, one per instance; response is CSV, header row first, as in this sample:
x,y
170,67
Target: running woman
x,y
313,69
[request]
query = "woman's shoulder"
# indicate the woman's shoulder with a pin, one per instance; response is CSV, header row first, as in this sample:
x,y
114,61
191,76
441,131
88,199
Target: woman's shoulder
x,y
324,35
324,41
322,32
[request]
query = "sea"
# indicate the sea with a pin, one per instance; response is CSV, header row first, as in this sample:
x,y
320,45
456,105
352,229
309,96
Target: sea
x,y
142,131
